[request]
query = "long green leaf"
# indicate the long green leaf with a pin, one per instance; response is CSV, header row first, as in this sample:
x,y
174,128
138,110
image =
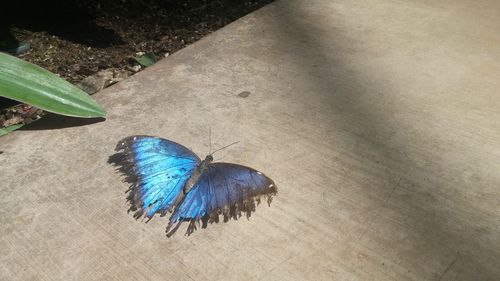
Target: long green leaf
x,y
31,84
6,130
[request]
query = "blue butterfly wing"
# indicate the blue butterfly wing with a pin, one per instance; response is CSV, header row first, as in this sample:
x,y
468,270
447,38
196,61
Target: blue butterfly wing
x,y
157,170
223,188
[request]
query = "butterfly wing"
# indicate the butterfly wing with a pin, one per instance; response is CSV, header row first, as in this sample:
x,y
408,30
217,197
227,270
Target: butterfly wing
x,y
225,188
157,170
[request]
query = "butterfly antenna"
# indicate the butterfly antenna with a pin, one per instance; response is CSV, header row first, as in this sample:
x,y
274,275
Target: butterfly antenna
x,y
210,140
225,146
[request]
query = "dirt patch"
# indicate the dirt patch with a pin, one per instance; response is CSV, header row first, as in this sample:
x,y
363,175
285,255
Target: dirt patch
x,y
76,39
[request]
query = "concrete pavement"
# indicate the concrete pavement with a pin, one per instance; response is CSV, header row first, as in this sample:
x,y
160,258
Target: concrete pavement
x,y
377,119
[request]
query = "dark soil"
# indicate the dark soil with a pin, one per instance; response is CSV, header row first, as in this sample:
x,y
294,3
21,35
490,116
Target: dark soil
x,y
76,39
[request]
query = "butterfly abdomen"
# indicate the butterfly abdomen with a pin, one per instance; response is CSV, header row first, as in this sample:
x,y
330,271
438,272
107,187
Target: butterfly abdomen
x,y
200,169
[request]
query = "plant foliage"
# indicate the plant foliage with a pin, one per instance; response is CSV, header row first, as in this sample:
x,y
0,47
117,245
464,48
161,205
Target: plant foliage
x,y
31,84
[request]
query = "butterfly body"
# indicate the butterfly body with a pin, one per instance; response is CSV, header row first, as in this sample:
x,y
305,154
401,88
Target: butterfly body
x,y
202,167
166,176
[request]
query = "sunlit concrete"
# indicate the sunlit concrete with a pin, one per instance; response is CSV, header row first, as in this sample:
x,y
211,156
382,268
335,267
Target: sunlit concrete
x,y
379,120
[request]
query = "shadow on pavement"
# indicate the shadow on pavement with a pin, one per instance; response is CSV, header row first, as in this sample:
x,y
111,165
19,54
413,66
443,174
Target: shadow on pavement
x,y
54,121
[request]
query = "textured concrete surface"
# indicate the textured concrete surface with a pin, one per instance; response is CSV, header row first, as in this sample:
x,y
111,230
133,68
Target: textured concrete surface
x,y
379,120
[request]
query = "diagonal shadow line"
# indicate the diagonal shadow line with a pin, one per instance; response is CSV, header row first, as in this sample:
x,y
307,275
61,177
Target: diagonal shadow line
x,y
433,228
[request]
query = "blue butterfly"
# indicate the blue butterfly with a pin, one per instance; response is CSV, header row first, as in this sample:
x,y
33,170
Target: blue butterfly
x,y
168,177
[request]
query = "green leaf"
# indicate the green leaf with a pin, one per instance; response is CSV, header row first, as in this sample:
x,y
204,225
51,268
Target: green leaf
x,y
31,84
146,60
6,130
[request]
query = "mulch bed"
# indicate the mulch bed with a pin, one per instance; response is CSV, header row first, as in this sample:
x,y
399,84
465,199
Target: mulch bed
x,y
77,39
